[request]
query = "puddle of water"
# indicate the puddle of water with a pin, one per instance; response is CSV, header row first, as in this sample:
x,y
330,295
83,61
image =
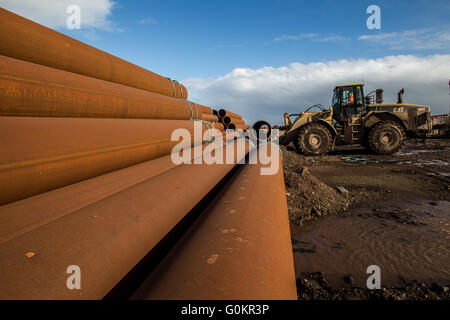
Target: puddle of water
x,y
432,162
443,174
413,152
347,245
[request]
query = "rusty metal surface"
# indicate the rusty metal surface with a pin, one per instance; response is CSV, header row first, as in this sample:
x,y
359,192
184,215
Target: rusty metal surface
x,y
105,238
239,248
26,40
209,117
233,126
41,154
28,214
203,109
228,120
224,113
28,89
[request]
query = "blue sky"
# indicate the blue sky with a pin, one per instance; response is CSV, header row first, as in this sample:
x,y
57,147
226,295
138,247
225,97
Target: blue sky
x,y
201,38
262,58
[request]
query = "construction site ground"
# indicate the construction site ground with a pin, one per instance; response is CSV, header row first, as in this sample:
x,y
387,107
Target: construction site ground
x,y
351,209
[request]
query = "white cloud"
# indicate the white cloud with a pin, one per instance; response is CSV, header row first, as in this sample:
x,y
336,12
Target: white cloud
x,y
295,37
52,13
418,39
310,36
148,20
332,38
268,92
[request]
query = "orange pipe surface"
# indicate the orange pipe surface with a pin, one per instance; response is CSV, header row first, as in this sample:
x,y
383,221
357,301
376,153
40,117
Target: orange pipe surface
x,y
26,40
228,120
239,248
25,215
232,126
41,154
28,89
202,108
105,234
209,117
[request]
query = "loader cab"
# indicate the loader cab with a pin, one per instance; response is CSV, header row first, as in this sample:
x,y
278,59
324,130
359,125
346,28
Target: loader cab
x,y
348,101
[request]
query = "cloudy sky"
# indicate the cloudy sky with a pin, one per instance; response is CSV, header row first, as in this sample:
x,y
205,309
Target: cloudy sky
x,y
262,58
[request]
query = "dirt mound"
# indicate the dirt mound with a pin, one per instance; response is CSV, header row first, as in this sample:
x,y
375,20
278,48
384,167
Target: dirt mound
x,y
307,197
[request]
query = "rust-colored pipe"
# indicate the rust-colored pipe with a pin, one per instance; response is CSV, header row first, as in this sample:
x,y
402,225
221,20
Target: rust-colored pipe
x,y
28,89
26,40
228,120
41,154
239,248
224,113
233,126
105,238
209,117
28,214
202,108
261,125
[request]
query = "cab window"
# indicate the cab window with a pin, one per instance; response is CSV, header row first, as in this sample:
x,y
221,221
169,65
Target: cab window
x,y
358,96
335,99
348,97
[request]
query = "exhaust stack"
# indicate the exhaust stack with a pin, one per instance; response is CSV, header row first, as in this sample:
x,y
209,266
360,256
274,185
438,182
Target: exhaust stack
x,y
379,96
400,96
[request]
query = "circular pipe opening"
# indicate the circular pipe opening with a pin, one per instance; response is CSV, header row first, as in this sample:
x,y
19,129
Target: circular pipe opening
x,y
227,120
222,113
262,125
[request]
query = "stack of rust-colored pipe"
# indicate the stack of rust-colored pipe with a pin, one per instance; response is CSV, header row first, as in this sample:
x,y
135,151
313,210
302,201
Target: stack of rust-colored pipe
x,y
37,100
230,120
33,90
238,249
45,73
86,174
25,40
104,225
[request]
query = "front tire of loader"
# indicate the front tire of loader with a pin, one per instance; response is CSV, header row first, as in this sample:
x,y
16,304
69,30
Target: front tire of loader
x,y
314,139
386,137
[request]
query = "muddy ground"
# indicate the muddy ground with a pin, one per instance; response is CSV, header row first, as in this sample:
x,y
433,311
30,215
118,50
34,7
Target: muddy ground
x,y
389,188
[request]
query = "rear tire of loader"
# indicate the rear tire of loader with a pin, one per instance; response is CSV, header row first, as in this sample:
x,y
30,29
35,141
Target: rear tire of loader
x,y
314,139
386,137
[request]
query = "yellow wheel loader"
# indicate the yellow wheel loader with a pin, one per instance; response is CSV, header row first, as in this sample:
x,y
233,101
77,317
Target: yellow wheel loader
x,y
356,119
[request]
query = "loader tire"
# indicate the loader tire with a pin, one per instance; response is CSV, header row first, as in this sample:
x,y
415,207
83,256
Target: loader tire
x,y
365,141
314,139
386,137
